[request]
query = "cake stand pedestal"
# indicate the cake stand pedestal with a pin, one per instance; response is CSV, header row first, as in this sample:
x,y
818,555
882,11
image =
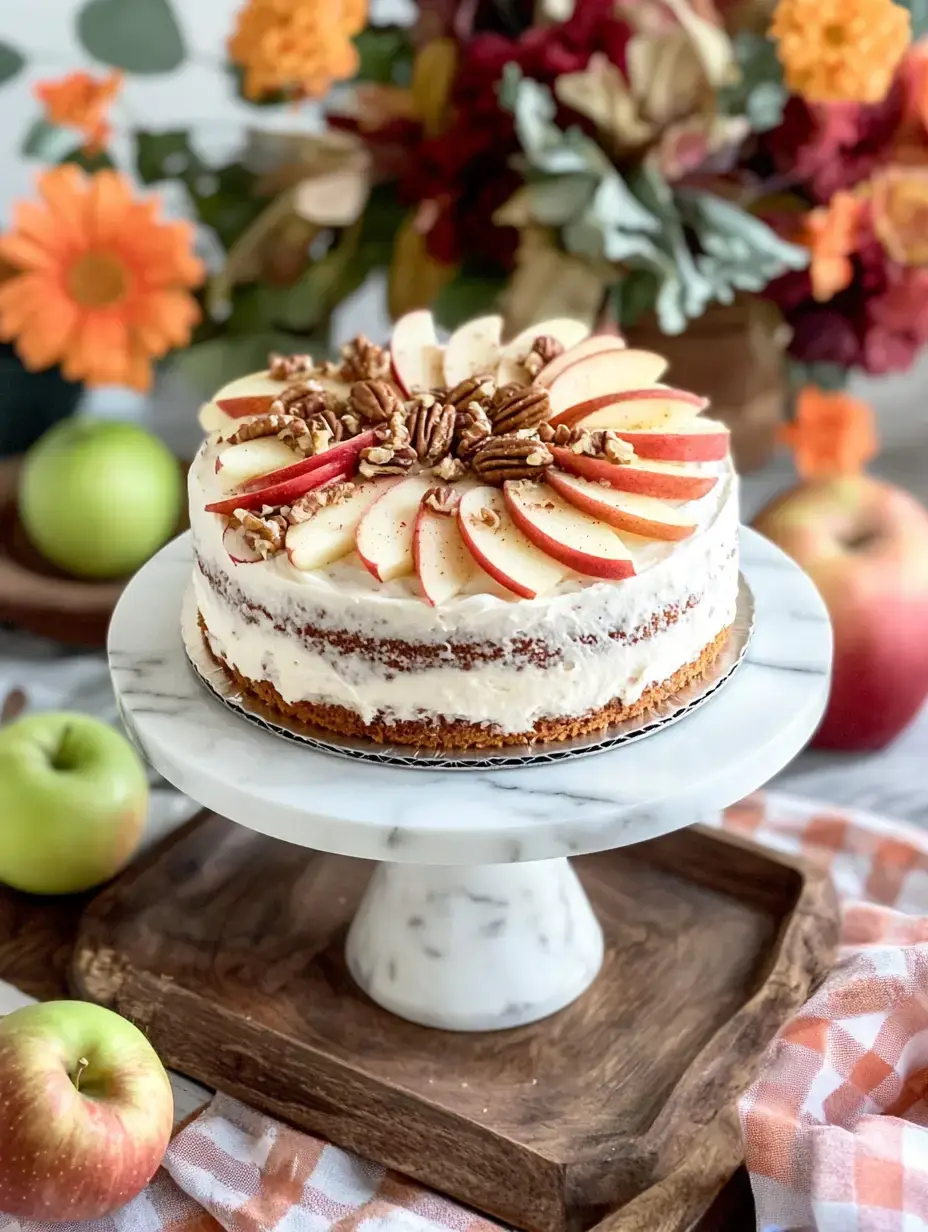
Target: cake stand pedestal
x,y
475,920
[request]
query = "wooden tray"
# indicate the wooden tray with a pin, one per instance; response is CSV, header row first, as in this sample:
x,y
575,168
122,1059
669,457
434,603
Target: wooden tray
x,y
226,947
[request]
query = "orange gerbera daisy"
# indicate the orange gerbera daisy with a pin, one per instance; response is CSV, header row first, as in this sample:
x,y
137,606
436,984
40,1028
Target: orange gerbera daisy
x,y
81,101
840,50
101,282
831,233
297,47
832,434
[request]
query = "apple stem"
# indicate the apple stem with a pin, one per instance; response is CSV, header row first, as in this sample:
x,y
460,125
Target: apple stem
x,y
59,759
82,1064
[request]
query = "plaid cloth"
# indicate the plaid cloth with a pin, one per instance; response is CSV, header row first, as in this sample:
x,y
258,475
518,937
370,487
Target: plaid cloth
x,y
835,1127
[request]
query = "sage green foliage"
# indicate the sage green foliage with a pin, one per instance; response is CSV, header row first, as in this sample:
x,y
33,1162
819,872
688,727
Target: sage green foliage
x,y
11,61
759,94
138,36
680,249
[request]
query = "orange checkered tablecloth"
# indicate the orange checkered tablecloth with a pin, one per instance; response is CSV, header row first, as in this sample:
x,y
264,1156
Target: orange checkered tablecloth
x,y
835,1126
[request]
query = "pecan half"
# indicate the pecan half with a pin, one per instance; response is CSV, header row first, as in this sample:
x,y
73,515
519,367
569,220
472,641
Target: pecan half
x,y
543,350
309,505
518,408
262,534
511,457
285,367
374,401
442,499
363,360
472,427
267,425
479,389
431,430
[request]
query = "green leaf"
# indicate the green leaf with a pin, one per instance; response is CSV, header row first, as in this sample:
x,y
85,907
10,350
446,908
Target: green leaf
x,y
139,36
466,295
11,61
385,54
48,142
634,296
165,156
759,93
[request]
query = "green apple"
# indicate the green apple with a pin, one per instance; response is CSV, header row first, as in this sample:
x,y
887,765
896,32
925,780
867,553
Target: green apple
x,y
87,1112
73,803
97,498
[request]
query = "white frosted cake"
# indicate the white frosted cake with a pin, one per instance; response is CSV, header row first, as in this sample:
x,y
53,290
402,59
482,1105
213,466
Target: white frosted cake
x,y
479,544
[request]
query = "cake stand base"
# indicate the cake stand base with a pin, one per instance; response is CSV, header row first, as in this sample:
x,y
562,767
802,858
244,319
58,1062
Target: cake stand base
x,y
475,948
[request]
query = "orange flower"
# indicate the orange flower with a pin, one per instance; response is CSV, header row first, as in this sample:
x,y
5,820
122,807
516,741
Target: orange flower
x,y
831,234
101,282
832,434
840,50
81,101
298,47
900,213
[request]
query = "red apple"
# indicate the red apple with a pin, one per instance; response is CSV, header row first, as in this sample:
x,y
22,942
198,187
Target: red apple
x,y
668,480
346,452
249,404
500,548
565,533
614,410
241,552
473,350
580,350
416,359
627,511
606,372
680,438
330,533
282,493
87,1112
865,545
444,566
384,537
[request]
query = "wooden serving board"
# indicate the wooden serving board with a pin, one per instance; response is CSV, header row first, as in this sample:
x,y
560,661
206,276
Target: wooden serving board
x,y
226,947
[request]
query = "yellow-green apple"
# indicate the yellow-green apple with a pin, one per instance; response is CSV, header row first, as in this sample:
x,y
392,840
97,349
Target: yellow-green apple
x,y
499,547
566,533
864,543
97,498
385,532
330,533
627,511
444,566
580,350
649,477
73,803
87,1112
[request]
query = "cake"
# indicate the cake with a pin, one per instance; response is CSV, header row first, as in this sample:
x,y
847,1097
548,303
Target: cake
x,y
478,544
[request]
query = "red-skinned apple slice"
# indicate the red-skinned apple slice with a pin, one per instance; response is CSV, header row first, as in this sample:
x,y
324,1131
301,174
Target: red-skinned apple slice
x,y
635,403
239,464
253,394
565,330
500,548
415,355
646,476
240,550
608,372
330,533
345,452
593,345
281,493
444,566
473,350
684,438
627,511
582,543
385,534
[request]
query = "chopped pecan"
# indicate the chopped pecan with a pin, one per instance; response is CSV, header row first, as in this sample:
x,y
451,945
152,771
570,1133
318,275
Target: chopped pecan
x,y
298,435
489,517
309,505
286,367
374,401
363,360
450,468
305,399
386,460
519,408
479,389
351,424
262,534
442,499
395,431
431,429
326,428
267,425
511,457
600,442
472,427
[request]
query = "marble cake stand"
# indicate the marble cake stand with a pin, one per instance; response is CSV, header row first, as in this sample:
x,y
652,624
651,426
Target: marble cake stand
x,y
474,919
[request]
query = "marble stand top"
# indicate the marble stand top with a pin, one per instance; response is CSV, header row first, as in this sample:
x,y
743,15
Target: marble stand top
x,y
681,775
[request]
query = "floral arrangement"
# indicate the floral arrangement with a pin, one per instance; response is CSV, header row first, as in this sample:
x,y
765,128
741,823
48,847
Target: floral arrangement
x,y
614,160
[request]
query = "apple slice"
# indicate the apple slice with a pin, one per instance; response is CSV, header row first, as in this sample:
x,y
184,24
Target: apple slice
x,y
253,395
500,548
346,452
240,463
680,438
443,563
240,550
415,355
330,534
577,540
638,515
281,493
593,345
385,533
473,350
565,330
607,372
636,402
668,480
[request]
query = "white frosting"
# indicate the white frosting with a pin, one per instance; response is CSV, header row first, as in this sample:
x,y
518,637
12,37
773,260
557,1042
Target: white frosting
x,y
694,579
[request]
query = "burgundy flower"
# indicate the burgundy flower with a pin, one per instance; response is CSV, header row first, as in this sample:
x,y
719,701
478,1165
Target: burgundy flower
x,y
822,335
